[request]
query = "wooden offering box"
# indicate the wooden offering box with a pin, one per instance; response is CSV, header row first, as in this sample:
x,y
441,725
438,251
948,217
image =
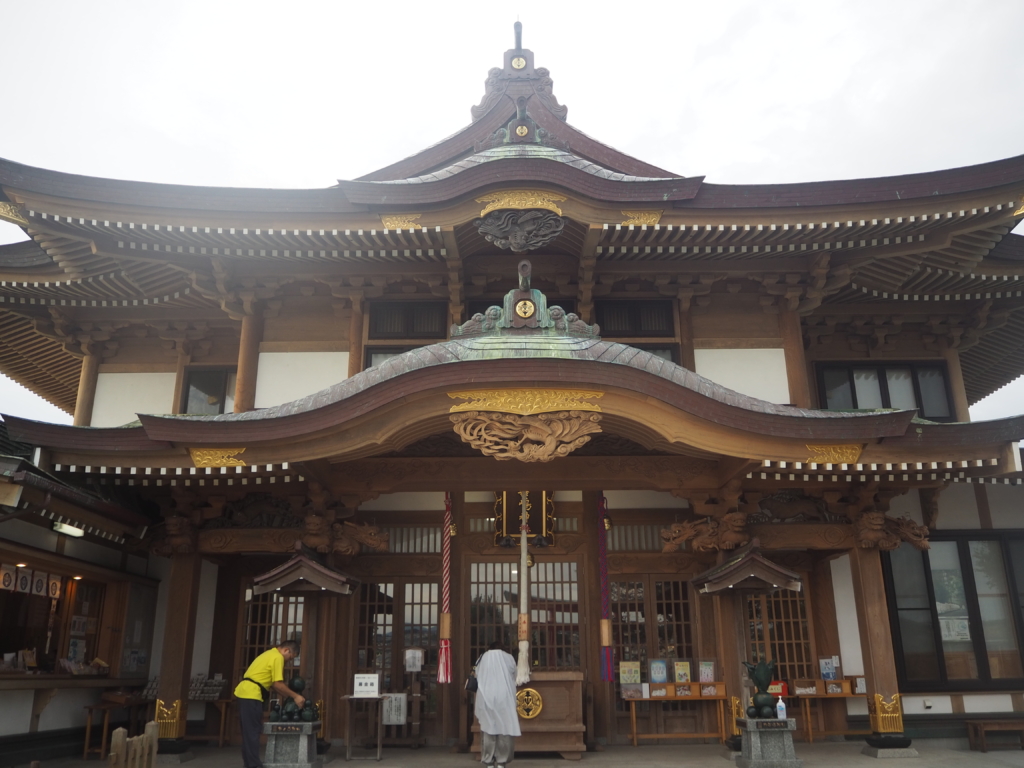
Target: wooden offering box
x,y
559,726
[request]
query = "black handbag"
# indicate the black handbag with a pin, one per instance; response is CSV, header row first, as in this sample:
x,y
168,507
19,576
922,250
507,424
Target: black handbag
x,y
472,684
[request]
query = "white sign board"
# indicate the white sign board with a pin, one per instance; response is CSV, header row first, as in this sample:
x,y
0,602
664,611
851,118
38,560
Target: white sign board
x,y
8,576
413,659
366,686
395,705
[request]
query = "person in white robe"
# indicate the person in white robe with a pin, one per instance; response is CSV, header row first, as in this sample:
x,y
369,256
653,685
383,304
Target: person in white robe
x,y
496,706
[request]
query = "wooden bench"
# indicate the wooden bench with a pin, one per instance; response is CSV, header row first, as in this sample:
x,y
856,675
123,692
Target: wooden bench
x,y
976,730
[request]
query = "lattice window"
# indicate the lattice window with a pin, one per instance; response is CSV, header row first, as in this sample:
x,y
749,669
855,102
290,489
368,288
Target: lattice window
x,y
486,524
554,611
376,623
412,539
635,538
270,619
650,620
779,627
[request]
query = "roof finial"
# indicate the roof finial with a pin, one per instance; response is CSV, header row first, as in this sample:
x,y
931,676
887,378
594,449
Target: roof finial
x,y
519,36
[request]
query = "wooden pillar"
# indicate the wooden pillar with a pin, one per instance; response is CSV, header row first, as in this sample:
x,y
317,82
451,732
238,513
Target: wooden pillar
x,y
729,615
248,361
225,627
876,644
956,384
87,389
179,636
796,361
180,372
687,358
826,635
604,692
355,335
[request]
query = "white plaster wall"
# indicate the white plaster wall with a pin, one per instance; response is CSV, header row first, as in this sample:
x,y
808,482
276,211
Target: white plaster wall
x,y
67,708
15,712
80,549
413,502
29,534
286,376
121,396
159,568
1006,503
203,639
846,617
988,702
907,505
644,500
958,508
760,373
471,497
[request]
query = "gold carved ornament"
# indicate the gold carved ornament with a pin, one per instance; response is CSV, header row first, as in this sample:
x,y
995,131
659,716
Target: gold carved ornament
x,y
520,200
10,212
216,457
169,719
400,222
529,703
736,710
1020,211
526,401
886,717
834,454
640,218
522,130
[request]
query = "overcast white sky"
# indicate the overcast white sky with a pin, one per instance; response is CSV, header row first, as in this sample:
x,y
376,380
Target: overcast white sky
x,y
300,94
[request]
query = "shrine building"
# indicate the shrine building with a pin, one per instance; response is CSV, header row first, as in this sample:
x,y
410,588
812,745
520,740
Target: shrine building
x,y
739,414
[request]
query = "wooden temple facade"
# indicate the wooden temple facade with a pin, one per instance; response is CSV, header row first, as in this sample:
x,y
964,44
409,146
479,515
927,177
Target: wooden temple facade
x,y
674,368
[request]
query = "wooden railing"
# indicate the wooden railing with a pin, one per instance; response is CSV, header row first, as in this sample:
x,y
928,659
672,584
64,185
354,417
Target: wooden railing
x,y
136,752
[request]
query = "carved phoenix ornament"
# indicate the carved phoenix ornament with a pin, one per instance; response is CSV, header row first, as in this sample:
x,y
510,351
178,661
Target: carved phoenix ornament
x,y
539,437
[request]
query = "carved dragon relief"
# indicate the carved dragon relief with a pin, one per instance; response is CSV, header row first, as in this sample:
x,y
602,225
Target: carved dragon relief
x,y
520,231
856,518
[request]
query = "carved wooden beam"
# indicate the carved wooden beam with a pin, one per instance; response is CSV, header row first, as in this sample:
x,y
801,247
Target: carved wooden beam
x,y
662,473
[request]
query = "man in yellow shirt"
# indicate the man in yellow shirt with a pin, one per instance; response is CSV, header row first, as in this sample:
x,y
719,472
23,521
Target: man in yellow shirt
x,y
266,673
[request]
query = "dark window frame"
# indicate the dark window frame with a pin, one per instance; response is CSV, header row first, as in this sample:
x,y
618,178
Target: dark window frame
x,y
227,370
883,383
407,332
984,682
634,321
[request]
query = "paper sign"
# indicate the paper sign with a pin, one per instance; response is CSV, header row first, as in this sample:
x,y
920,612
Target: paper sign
x,y
7,576
394,708
53,586
40,583
23,581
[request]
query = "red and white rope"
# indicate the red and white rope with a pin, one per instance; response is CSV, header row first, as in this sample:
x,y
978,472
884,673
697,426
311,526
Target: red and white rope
x,y
444,656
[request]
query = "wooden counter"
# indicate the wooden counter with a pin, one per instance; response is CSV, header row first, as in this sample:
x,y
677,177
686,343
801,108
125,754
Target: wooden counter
x,y
35,682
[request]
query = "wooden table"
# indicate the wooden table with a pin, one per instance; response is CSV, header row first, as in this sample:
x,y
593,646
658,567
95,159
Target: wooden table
x,y
719,710
805,708
106,707
350,715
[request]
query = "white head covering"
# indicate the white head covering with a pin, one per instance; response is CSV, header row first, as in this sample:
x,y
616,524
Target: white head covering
x,y
496,694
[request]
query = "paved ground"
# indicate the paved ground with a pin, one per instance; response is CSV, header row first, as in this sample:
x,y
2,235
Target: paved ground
x,y
937,754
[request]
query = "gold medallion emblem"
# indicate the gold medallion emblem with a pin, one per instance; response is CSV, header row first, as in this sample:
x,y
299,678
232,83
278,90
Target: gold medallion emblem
x,y
524,308
529,703
518,62
522,130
